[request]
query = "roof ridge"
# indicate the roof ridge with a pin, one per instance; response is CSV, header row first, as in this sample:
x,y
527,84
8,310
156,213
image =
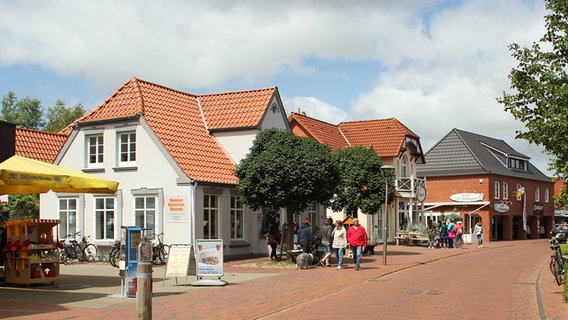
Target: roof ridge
x,y
161,86
235,91
368,120
457,131
305,116
201,113
140,98
42,131
344,136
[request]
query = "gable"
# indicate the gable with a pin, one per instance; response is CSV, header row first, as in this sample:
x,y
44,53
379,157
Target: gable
x,y
182,122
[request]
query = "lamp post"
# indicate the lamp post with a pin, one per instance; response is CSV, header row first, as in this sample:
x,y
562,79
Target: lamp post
x,y
385,214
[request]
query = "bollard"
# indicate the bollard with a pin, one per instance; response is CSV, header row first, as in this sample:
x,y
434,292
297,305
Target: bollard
x,y
144,291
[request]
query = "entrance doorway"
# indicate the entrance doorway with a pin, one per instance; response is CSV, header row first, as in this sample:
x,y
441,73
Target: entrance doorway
x,y
496,228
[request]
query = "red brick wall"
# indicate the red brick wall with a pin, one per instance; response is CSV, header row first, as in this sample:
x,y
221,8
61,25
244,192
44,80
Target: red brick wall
x,y
441,188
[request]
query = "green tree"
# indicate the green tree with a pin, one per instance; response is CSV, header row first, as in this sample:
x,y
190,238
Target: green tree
x,y
9,111
540,90
22,206
26,112
362,184
59,116
286,171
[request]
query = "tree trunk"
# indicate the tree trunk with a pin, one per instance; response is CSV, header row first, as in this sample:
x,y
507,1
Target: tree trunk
x,y
289,231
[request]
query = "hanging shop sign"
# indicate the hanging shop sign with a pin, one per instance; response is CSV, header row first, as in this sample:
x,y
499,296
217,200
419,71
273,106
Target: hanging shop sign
x,y
538,208
467,197
501,207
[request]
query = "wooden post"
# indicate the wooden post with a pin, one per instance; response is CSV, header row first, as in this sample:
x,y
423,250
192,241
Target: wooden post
x,y
144,291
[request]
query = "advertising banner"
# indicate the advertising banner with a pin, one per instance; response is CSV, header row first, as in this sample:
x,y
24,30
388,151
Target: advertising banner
x,y
209,257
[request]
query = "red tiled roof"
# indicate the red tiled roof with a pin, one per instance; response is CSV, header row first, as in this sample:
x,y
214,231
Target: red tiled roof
x,y
39,145
385,136
235,109
177,119
322,132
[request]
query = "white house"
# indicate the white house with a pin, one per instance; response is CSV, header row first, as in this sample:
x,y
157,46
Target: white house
x,y
174,155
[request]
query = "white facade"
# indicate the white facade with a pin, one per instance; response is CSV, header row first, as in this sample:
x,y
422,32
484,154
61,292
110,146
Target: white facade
x,y
153,185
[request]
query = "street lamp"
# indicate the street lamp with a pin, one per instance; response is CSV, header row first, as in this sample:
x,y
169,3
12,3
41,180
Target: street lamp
x,y
384,169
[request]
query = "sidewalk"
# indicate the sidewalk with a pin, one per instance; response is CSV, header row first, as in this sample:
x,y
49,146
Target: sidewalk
x,y
93,291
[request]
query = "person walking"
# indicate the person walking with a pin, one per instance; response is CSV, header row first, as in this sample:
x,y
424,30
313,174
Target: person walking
x,y
478,230
326,237
443,235
339,242
273,238
305,237
431,234
459,230
451,234
357,239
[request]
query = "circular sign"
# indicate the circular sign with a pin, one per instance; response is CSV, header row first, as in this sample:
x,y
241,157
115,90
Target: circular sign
x,y
421,193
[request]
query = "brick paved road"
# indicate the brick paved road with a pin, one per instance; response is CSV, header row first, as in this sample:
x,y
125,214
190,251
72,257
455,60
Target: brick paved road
x,y
505,280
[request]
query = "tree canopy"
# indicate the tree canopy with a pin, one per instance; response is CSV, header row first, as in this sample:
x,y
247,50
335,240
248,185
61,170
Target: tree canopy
x,y
539,97
28,113
286,171
362,184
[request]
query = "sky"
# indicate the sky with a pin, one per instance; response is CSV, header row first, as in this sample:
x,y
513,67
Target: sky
x,y
433,65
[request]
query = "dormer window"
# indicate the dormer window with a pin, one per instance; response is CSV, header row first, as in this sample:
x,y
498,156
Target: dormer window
x,y
517,164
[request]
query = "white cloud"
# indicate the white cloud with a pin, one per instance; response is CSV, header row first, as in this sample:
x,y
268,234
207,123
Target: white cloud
x,y
444,62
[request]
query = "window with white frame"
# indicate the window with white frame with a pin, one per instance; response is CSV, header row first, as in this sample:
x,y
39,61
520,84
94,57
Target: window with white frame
x,y
313,214
67,217
505,190
547,195
145,212
104,218
127,148
237,216
404,167
497,189
537,194
95,147
210,216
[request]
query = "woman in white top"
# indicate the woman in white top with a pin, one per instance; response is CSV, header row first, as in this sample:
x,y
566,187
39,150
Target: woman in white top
x,y
339,242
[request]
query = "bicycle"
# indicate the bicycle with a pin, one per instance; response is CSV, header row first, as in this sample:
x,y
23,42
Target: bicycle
x,y
116,254
74,250
160,251
557,261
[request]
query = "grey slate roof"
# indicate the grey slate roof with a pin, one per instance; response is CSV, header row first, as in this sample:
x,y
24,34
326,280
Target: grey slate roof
x,y
465,153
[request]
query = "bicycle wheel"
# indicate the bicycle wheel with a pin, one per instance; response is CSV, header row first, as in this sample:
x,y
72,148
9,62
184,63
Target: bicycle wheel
x,y
556,271
163,253
66,257
114,257
90,253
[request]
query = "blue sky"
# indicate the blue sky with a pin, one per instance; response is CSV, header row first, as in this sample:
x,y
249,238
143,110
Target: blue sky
x,y
434,65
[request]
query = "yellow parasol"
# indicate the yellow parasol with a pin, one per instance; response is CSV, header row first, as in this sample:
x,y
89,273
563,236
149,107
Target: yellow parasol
x,y
20,175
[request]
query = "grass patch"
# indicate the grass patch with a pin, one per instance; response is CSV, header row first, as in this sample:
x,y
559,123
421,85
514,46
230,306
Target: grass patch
x,y
276,264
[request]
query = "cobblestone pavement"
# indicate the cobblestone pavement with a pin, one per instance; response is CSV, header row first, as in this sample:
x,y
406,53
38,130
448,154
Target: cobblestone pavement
x,y
504,280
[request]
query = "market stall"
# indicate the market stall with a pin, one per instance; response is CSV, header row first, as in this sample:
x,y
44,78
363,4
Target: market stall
x,y
31,252
30,249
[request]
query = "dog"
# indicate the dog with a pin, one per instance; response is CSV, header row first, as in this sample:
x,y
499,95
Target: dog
x,y
304,260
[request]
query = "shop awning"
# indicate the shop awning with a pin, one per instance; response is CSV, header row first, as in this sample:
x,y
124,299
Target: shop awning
x,y
20,175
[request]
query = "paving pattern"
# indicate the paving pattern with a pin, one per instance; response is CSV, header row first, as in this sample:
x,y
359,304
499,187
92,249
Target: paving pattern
x,y
505,280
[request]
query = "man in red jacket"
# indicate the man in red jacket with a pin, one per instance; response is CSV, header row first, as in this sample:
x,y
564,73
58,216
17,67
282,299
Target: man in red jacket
x,y
357,238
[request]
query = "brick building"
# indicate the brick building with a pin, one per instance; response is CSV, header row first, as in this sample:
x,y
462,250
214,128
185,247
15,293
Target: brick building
x,y
482,179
